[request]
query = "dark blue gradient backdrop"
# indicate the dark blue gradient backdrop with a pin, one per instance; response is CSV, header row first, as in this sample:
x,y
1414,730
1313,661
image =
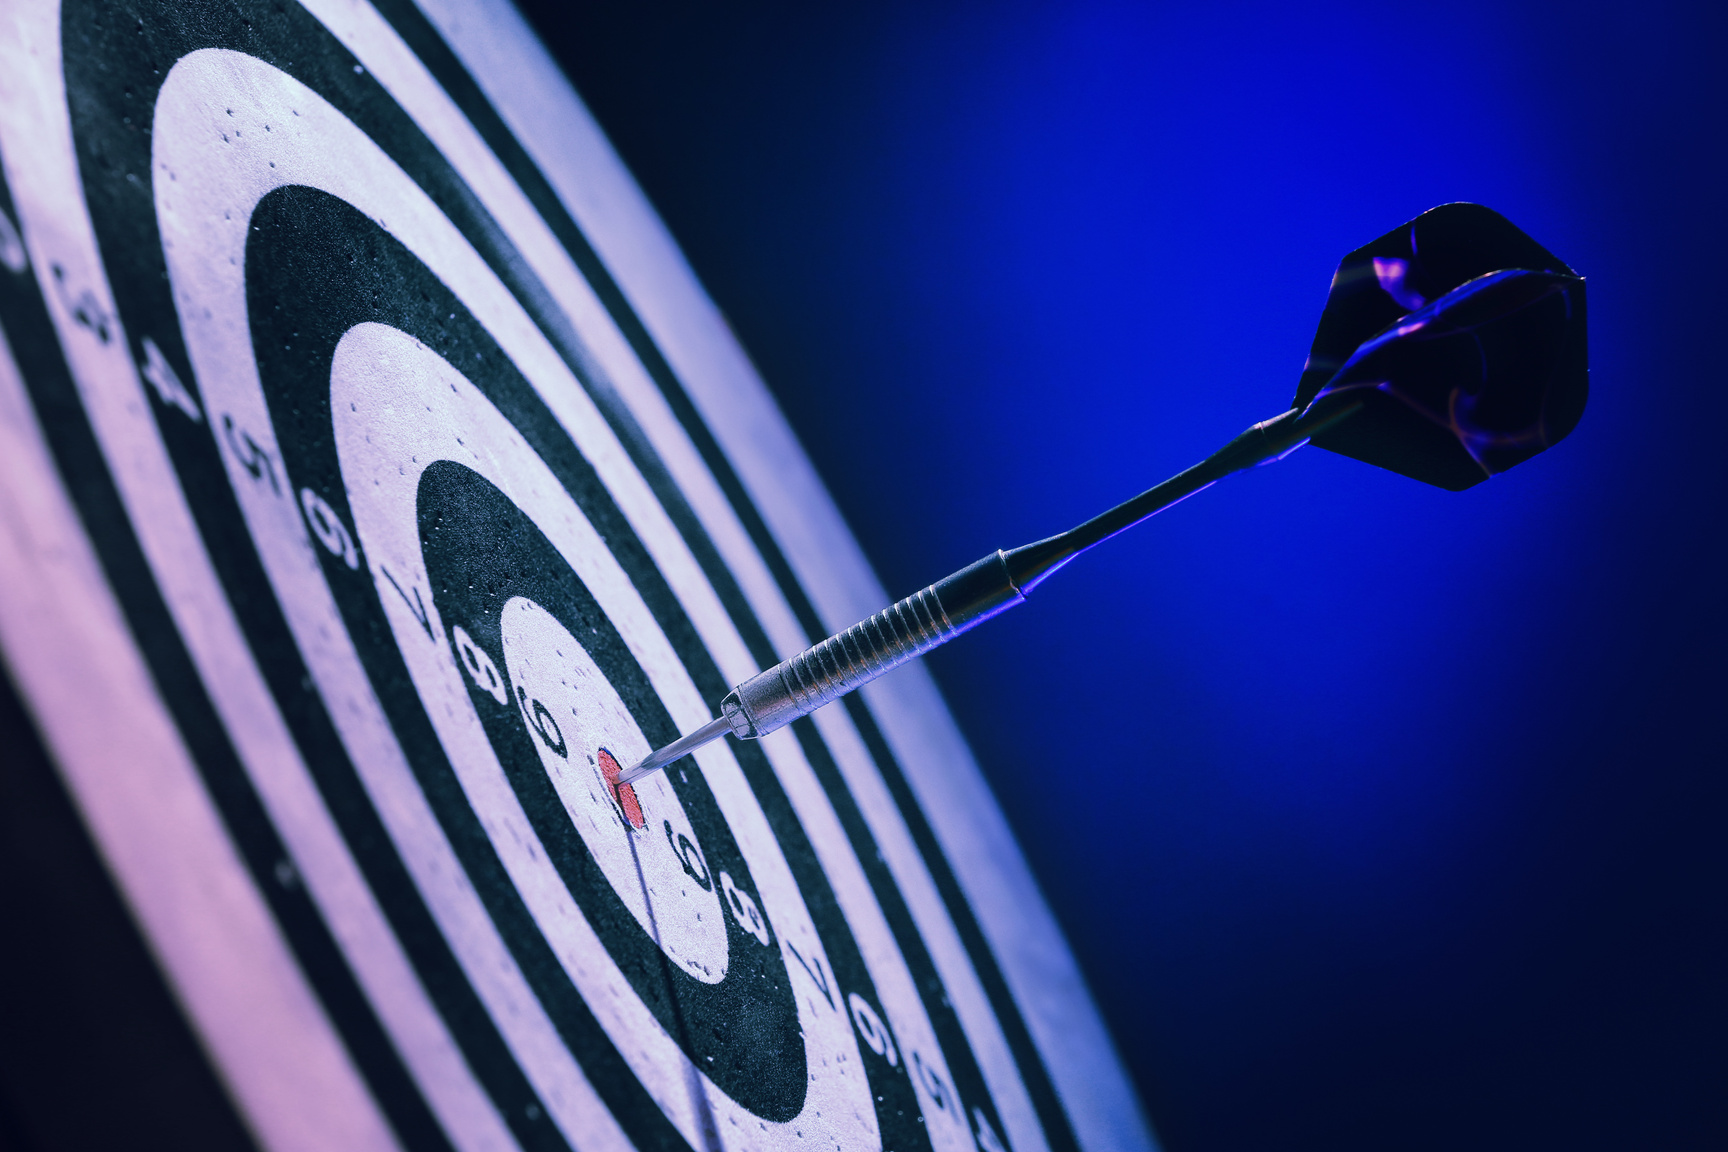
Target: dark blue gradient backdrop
x,y
1379,816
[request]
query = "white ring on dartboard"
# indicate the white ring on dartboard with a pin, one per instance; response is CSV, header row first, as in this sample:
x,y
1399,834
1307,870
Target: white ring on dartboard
x,y
207,181
379,374
201,283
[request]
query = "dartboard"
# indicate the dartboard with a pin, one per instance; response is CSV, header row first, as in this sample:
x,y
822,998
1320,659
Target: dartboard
x,y
376,482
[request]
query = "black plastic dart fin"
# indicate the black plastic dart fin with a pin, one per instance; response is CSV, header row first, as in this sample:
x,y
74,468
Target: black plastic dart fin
x,y
1465,340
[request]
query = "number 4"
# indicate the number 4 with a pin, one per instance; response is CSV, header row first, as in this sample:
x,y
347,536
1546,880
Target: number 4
x,y
161,376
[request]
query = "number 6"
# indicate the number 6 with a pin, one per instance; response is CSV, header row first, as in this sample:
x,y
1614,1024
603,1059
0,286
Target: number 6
x,y
328,527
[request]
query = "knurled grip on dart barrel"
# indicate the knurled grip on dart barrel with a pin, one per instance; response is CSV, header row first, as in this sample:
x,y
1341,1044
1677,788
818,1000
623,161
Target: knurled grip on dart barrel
x,y
797,687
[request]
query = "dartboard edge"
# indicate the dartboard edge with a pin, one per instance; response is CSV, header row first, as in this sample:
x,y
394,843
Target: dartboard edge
x,y
375,479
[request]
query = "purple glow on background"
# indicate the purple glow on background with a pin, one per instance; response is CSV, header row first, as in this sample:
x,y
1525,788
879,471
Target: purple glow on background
x,y
1405,808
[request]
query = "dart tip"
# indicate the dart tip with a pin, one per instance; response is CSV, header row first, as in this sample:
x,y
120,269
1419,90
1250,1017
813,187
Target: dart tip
x,y
675,751
636,772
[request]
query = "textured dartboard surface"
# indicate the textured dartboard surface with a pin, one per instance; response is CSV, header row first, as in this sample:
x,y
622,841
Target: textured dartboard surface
x,y
389,530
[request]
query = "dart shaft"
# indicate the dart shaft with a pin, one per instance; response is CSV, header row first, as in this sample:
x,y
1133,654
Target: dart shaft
x,y
901,632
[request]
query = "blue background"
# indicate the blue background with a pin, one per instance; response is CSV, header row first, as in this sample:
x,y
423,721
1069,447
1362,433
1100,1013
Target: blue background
x,y
1378,816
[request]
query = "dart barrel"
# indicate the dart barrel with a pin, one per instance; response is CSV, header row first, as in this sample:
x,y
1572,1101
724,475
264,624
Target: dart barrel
x,y
870,648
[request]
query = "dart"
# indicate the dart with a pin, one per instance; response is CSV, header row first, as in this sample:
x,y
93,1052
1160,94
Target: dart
x,y
1450,349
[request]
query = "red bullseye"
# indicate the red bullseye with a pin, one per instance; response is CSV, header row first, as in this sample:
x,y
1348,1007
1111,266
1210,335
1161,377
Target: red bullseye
x,y
623,793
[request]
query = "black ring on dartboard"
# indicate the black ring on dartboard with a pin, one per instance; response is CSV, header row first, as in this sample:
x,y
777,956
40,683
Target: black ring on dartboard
x,y
449,71
300,236
115,58
481,551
